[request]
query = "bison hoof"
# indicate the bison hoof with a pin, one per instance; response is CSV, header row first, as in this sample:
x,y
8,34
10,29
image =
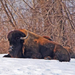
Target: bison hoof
x,y
7,55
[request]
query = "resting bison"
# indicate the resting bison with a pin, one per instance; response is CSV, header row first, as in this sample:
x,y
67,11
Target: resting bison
x,y
26,44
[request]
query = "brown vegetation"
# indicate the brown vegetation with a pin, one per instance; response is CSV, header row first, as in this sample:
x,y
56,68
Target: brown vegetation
x,y
53,18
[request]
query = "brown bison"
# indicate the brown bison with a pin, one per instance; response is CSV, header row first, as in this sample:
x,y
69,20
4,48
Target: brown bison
x,y
26,44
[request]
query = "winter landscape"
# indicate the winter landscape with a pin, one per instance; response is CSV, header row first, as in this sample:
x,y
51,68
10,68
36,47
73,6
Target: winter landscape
x,y
52,18
20,66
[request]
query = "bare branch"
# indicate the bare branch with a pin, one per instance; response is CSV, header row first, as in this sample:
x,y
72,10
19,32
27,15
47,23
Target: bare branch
x,y
7,13
27,4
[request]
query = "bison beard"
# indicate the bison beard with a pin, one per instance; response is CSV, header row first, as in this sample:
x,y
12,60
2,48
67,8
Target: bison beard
x,y
34,46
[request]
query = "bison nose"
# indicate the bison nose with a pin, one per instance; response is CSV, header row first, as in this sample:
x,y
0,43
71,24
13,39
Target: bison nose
x,y
11,48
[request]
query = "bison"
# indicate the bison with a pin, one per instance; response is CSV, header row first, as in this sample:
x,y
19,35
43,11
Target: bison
x,y
26,44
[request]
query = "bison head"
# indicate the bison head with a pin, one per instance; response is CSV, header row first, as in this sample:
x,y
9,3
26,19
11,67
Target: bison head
x,y
16,39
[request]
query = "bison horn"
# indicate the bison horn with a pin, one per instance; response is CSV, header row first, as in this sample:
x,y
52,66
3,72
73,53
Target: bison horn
x,y
23,38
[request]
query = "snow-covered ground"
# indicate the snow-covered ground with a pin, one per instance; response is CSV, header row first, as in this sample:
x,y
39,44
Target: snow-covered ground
x,y
20,66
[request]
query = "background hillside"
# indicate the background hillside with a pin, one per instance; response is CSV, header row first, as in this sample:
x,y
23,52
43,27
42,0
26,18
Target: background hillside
x,y
54,18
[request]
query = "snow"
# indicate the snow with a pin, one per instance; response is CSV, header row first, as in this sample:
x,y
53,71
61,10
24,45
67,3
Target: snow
x,y
25,66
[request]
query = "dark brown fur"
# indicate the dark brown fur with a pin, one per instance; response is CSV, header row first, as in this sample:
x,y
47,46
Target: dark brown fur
x,y
35,46
71,53
54,50
15,48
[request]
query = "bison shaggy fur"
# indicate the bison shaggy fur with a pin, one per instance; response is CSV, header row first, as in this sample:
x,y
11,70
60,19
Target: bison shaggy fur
x,y
34,46
71,53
